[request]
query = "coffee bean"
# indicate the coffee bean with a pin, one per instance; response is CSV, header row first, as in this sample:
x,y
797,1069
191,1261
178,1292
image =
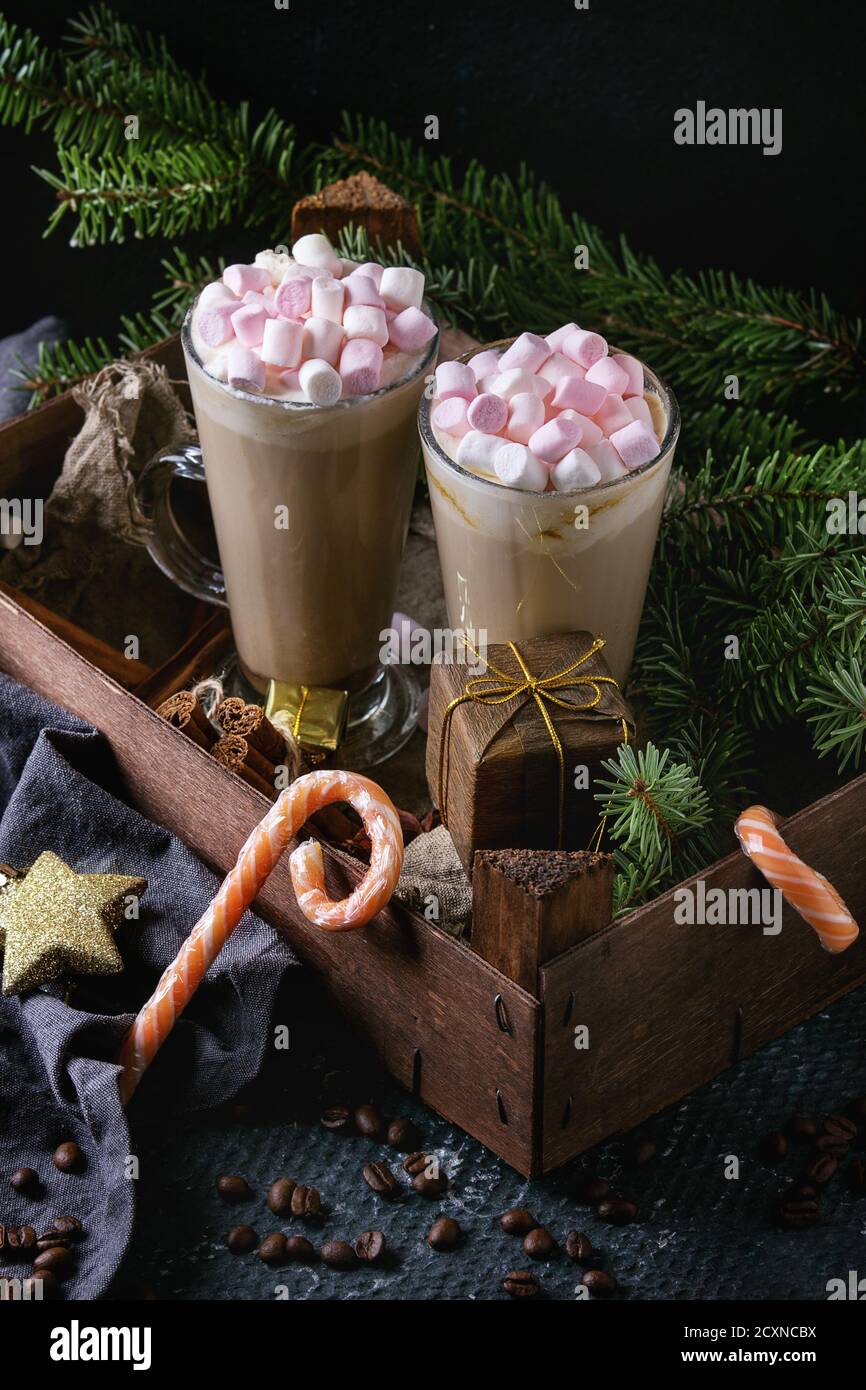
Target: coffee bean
x,y
774,1146
599,1282
26,1181
856,1173
802,1127
59,1260
618,1211
301,1249
50,1240
517,1221
307,1203
68,1158
579,1247
272,1250
444,1234
370,1246
241,1240
841,1127
48,1281
821,1169
415,1163
279,1198
338,1254
832,1144
799,1213
430,1184
379,1177
521,1283
539,1244
642,1151
17,1240
594,1191
402,1135
233,1188
801,1188
338,1119
368,1121
67,1226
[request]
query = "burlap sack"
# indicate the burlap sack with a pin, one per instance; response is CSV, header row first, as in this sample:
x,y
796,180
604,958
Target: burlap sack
x,y
434,883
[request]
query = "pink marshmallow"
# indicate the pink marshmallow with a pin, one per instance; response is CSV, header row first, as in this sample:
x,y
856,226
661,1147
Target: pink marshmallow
x,y
554,440
485,363
607,460
528,352
450,416
361,366
263,302
639,410
590,432
584,348
455,379
215,324
322,339
613,415
557,366
291,380
580,394
281,342
608,375
360,289
556,339
292,297
410,330
525,416
487,413
635,444
241,278
372,271
364,321
245,369
249,324
634,372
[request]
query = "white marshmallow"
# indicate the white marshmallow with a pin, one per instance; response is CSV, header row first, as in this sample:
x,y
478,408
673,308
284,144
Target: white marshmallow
x,y
315,250
327,298
639,410
347,266
319,381
364,321
517,466
322,338
557,366
217,293
590,432
525,416
276,263
401,287
485,363
513,383
576,470
282,342
477,451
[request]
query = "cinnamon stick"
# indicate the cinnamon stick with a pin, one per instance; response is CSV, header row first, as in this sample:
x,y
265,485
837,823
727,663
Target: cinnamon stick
x,y
196,658
235,716
183,711
233,752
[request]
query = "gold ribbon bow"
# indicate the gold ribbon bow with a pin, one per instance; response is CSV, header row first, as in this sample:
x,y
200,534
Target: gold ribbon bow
x,y
500,688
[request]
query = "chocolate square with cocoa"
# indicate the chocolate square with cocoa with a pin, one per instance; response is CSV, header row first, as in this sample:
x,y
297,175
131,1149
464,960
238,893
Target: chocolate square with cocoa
x,y
362,200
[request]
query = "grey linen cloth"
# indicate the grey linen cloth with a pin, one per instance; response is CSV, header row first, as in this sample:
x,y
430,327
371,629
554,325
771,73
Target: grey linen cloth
x,y
22,350
59,790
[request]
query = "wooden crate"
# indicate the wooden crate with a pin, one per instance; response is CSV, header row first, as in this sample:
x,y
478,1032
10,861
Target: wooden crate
x,y
668,1007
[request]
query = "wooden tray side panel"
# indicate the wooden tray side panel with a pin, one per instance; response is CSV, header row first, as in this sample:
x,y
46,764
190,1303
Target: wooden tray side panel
x,y
669,1006
427,1003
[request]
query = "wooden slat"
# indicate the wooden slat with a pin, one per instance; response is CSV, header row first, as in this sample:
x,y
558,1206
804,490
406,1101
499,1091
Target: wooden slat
x,y
668,1007
426,1002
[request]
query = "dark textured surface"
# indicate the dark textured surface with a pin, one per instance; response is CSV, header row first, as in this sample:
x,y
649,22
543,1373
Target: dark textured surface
x,y
698,1236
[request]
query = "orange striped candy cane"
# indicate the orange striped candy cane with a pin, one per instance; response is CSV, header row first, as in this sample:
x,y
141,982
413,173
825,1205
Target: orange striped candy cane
x,y
807,891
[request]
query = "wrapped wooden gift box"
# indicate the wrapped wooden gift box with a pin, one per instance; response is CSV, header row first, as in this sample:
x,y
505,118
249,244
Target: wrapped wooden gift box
x,y
667,1007
493,764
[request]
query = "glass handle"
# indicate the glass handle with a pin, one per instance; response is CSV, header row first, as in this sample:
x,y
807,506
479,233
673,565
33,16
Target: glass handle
x,y
167,545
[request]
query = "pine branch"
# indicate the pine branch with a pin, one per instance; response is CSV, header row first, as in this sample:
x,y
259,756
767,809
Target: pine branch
x,y
835,707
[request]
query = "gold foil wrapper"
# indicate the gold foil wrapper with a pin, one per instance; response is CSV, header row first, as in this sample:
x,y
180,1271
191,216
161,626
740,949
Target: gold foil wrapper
x,y
317,713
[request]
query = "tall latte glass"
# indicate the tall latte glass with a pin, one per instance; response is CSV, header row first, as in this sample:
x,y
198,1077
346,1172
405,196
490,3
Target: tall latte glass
x,y
311,509
522,563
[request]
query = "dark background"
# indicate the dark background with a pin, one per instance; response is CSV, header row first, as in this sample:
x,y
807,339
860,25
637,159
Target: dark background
x,y
586,98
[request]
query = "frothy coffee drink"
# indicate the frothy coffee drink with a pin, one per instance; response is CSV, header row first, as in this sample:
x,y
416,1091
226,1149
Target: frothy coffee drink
x,y
306,372
548,460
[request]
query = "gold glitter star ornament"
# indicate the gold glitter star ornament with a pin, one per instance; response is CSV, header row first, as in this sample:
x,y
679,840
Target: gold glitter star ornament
x,y
58,922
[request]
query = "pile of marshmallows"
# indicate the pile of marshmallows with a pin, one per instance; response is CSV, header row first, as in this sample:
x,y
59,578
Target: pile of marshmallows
x,y
322,329
550,413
